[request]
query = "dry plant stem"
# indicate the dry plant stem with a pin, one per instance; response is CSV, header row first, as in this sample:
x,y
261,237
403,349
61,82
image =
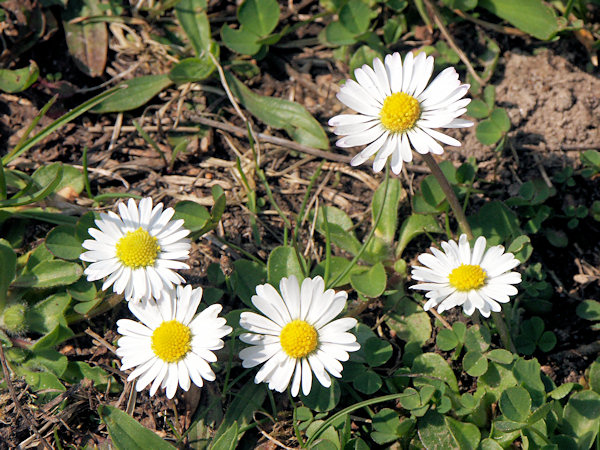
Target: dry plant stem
x,y
449,193
436,18
13,395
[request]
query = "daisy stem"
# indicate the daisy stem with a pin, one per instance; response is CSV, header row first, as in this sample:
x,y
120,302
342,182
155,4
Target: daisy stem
x,y
450,195
466,228
369,237
498,319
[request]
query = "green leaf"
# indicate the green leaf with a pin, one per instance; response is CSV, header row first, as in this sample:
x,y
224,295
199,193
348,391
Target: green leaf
x,y
589,310
63,243
50,274
322,399
87,40
44,316
540,413
496,380
489,95
489,444
281,114
191,70
501,356
43,381
527,373
337,34
434,433
245,277
547,341
191,15
259,16
386,229
59,334
8,262
594,376
194,215
478,109
57,170
133,94
227,440
367,382
355,16
127,433
496,222
563,390
338,265
500,118
477,338
50,359
475,364
283,262
487,132
78,370
377,351
467,435
370,283
532,16
515,404
340,226
328,438
20,79
436,366
241,410
521,247
581,417
240,40
413,226
408,320
446,340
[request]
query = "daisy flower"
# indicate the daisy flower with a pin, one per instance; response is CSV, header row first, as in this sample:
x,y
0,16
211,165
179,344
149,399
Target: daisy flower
x,y
171,345
477,279
397,110
296,336
138,251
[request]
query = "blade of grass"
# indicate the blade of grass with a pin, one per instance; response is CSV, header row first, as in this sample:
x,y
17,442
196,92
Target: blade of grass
x,y
150,141
58,123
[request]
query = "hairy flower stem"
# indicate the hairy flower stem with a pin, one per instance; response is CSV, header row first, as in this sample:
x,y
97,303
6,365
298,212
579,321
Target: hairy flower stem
x,y
466,228
449,193
498,319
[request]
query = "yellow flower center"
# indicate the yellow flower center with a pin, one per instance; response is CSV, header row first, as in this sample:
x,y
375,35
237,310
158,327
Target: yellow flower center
x,y
171,341
400,112
298,339
137,249
466,277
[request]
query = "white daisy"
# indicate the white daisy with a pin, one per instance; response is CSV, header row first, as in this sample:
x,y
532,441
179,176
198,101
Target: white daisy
x,y
397,110
171,345
297,337
478,279
137,251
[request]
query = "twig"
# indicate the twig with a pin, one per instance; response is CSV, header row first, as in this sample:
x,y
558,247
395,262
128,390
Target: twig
x,y
439,317
492,26
275,140
11,389
433,11
100,339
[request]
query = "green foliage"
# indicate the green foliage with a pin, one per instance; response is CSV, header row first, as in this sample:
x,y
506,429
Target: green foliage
x,y
126,432
532,16
133,93
258,19
20,79
280,114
